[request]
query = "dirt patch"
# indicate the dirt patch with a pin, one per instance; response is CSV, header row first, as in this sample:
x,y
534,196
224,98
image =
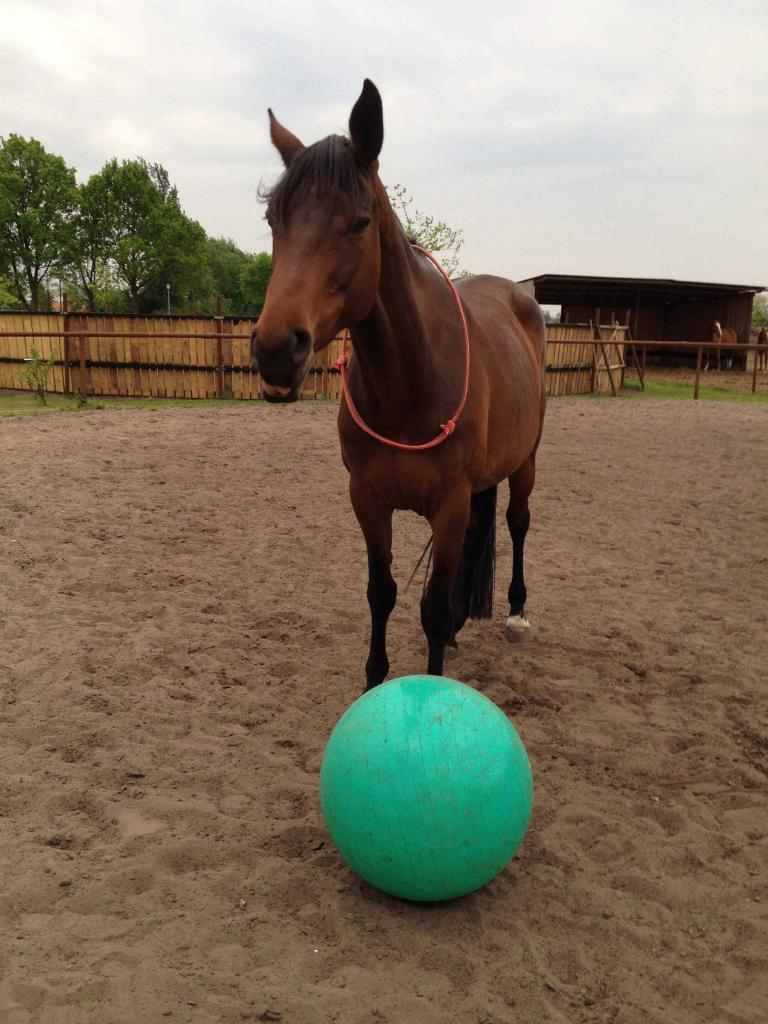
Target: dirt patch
x,y
183,621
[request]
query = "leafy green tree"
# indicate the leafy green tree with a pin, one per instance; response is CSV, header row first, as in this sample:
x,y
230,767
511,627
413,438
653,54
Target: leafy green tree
x,y
254,278
38,197
86,262
227,262
152,243
760,310
104,293
9,300
434,236
185,268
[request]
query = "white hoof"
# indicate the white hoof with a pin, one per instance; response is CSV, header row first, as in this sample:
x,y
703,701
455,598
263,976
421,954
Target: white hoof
x,y
516,628
450,652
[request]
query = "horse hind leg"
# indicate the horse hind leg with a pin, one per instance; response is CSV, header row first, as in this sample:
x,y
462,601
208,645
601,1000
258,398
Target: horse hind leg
x,y
473,588
449,524
518,520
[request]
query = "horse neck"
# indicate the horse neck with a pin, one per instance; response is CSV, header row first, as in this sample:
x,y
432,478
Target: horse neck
x,y
394,345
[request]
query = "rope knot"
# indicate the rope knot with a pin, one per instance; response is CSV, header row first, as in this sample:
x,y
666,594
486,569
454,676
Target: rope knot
x,y
449,427
340,363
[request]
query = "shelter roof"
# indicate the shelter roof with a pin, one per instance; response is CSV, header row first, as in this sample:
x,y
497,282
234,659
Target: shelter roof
x,y
555,289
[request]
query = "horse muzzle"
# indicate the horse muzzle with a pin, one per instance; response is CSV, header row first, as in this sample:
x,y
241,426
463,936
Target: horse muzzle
x,y
277,395
282,363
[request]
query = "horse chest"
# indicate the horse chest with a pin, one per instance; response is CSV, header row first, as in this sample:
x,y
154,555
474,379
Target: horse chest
x,y
403,480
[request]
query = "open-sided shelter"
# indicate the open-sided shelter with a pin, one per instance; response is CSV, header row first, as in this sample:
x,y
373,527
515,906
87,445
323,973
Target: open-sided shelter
x,y
653,309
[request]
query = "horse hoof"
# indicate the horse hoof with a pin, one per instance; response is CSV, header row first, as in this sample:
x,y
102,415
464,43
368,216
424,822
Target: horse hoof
x,y
451,651
516,628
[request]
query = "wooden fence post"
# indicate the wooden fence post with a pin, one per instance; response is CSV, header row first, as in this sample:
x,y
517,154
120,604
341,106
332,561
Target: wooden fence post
x,y
607,362
698,373
65,326
219,350
83,348
755,356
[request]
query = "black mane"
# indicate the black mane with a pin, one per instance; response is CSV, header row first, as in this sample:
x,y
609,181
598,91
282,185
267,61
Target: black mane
x,y
326,166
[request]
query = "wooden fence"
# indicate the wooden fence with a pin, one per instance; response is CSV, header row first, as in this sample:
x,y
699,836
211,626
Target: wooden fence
x,y
148,357
209,357
583,358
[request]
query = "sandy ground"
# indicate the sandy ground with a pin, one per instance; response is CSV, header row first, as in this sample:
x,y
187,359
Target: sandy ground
x,y
182,622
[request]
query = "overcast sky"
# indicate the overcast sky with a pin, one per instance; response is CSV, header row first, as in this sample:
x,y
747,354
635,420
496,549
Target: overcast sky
x,y
625,138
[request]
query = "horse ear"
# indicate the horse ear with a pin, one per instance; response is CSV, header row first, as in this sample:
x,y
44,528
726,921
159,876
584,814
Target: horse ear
x,y
366,125
285,142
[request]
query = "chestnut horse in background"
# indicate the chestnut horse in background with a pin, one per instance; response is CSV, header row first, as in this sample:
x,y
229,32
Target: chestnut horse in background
x,y
725,336
762,357
341,259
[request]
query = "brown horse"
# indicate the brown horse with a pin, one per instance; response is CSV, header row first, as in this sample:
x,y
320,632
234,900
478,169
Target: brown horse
x,y
341,259
762,357
724,336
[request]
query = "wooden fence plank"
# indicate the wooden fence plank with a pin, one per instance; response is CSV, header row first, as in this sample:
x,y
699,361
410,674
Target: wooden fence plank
x,y
149,348
166,346
136,373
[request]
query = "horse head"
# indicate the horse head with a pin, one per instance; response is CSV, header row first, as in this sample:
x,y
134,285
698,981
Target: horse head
x,y
326,255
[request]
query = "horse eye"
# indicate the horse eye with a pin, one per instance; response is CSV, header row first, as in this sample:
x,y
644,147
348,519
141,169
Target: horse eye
x,y
360,225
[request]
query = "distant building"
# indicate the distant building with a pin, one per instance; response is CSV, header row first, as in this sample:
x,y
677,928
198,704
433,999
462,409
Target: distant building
x,y
653,309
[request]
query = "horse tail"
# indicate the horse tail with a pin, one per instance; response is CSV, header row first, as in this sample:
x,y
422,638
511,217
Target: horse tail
x,y
480,553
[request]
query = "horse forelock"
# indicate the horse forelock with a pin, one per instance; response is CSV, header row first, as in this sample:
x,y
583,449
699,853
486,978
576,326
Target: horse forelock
x,y
325,167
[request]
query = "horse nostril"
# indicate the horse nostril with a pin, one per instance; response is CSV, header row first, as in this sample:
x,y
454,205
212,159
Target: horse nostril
x,y
301,344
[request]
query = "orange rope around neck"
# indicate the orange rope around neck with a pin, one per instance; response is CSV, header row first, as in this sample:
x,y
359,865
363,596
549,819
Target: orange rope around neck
x,y
446,429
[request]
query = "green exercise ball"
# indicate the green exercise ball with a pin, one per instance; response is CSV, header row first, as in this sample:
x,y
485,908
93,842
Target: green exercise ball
x,y
426,788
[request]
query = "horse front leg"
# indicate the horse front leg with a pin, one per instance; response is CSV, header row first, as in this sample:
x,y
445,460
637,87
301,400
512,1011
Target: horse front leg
x,y
375,521
449,525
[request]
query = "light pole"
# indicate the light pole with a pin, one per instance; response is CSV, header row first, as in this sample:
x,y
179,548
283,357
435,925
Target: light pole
x,y
168,293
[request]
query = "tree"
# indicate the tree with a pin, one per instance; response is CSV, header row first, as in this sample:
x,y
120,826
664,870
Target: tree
x,y
104,292
92,232
227,262
185,268
434,236
760,310
254,278
9,300
151,241
38,197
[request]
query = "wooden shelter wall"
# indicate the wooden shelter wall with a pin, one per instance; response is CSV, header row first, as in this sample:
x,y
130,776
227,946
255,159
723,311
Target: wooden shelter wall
x,y
691,321
581,313
674,319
